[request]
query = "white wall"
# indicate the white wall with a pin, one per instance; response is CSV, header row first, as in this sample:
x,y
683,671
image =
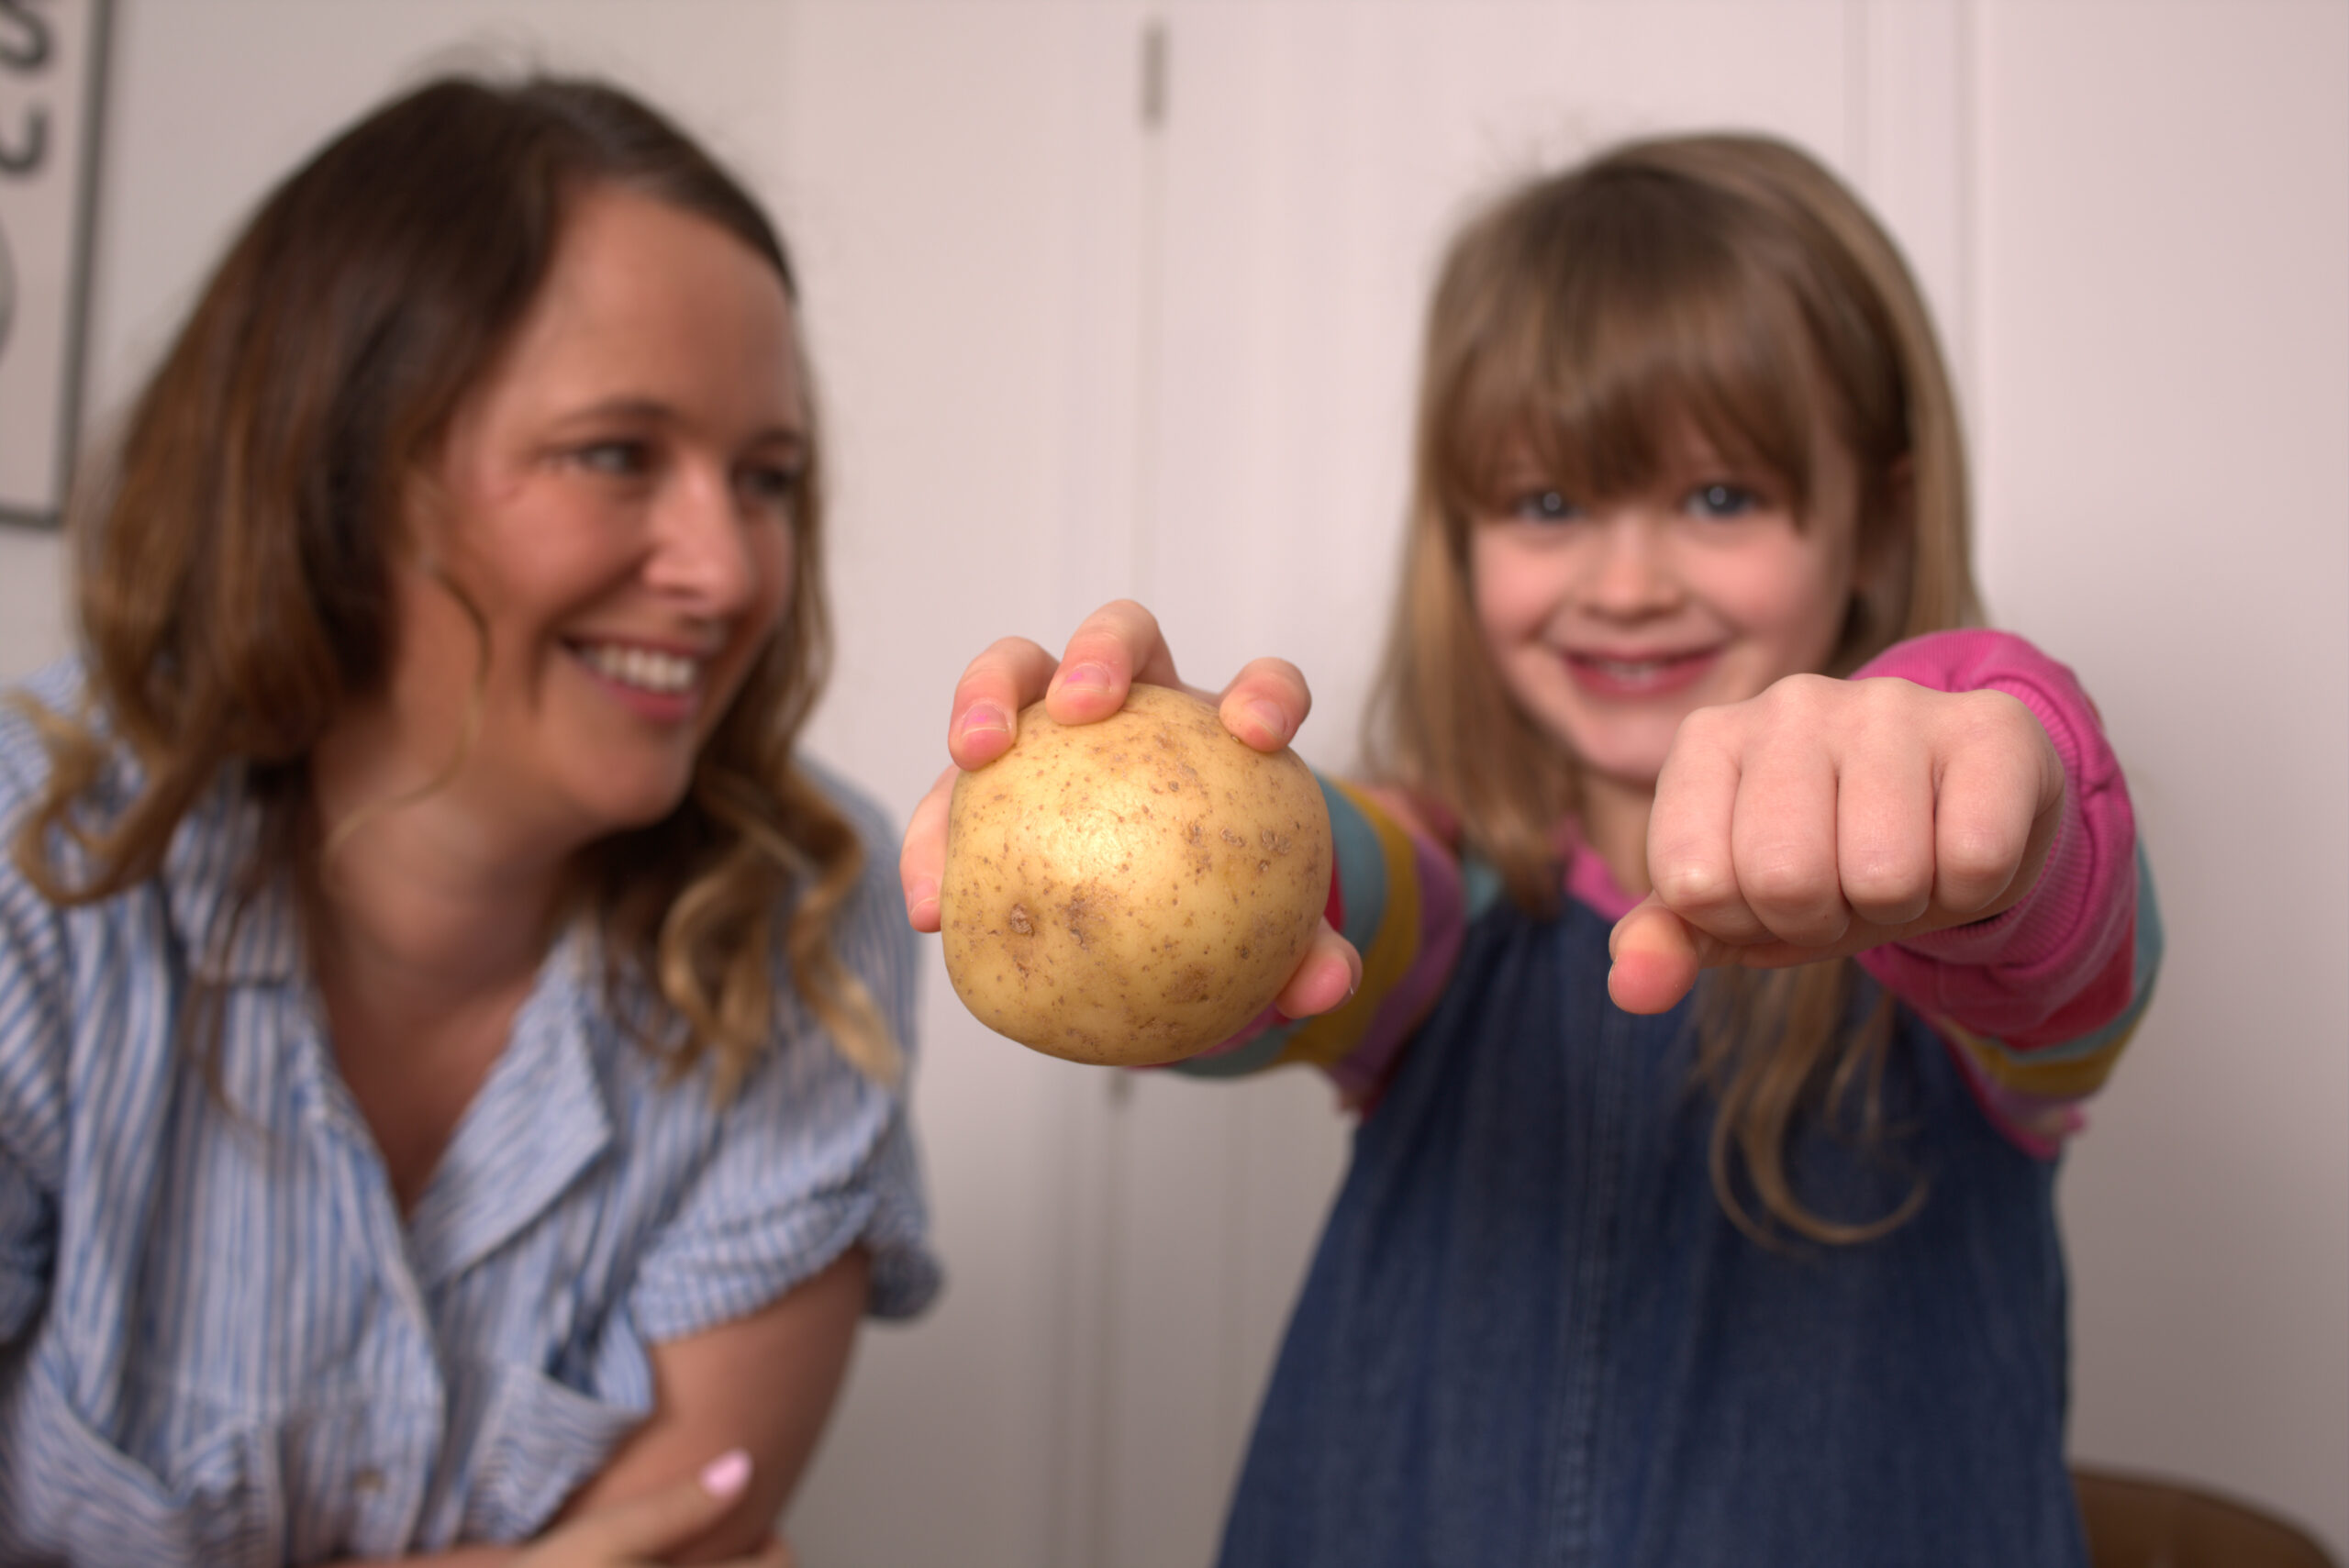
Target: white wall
x,y
1063,356
2162,262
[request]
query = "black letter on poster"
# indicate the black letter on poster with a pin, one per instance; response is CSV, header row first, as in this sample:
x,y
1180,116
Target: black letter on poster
x,y
31,52
14,160
27,51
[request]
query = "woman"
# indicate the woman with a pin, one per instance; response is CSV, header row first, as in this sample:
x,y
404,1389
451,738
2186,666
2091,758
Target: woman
x,y
451,1047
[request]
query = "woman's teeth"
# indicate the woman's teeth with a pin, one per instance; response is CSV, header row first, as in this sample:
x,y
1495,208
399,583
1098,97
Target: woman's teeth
x,y
643,668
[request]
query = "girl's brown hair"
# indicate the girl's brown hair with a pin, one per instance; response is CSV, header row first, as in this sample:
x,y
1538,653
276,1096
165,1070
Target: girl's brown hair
x,y
1725,282
232,563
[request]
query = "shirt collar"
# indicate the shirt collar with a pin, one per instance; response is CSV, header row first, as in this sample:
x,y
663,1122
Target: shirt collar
x,y
537,1122
236,926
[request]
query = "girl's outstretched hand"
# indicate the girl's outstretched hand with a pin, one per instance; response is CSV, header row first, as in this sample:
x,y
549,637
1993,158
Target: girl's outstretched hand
x,y
1825,817
1117,646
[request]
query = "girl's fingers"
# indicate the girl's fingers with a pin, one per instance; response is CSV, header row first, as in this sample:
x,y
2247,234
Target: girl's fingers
x,y
995,686
1874,816
1328,976
1657,955
1266,702
1115,647
1691,863
1784,842
921,859
1995,811
1884,832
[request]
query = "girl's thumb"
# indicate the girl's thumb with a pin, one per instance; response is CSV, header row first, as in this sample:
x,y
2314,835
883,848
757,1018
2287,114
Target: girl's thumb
x,y
653,1523
1655,956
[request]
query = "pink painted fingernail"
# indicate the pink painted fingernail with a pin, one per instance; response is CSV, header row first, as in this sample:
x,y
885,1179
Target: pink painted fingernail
x,y
982,716
725,1475
1084,678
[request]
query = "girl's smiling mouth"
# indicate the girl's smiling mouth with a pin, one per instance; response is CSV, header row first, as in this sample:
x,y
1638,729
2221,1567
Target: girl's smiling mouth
x,y
1639,675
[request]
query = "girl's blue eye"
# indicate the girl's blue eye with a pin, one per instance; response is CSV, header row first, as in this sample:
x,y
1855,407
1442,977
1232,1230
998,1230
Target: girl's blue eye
x,y
1721,500
772,486
1543,507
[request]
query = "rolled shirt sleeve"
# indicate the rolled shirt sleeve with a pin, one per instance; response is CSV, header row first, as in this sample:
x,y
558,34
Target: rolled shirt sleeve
x,y
815,1157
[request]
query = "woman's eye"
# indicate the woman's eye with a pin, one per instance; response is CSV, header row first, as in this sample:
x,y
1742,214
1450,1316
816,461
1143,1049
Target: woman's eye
x,y
1543,507
618,459
1721,500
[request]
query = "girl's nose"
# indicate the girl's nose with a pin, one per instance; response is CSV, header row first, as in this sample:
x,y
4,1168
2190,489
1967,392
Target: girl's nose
x,y
701,553
1632,574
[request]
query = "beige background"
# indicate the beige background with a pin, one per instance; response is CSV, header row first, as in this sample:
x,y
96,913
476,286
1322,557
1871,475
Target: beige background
x,y
1066,355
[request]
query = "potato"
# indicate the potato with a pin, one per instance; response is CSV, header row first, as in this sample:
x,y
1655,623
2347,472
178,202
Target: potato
x,y
1130,891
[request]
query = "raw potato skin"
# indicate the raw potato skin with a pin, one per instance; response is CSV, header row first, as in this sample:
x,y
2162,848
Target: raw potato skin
x,y
1131,891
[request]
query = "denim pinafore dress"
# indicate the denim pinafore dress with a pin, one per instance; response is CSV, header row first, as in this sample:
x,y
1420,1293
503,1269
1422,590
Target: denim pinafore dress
x,y
1531,1337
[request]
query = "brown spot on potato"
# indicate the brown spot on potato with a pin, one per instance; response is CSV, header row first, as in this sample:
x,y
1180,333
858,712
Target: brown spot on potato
x,y
1191,984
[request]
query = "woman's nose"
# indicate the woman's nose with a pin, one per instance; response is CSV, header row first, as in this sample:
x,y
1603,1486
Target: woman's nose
x,y
701,553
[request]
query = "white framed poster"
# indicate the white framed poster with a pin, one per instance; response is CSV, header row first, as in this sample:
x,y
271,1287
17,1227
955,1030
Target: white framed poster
x,y
52,76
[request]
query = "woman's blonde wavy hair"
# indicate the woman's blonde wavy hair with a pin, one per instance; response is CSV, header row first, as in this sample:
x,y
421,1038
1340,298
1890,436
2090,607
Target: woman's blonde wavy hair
x,y
1732,282
233,561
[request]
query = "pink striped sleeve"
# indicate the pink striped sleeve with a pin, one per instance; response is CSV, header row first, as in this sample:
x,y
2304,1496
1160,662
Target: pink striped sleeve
x,y
1397,895
2020,974
2037,1003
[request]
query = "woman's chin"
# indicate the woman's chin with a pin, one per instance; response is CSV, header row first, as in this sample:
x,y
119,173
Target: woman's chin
x,y
624,806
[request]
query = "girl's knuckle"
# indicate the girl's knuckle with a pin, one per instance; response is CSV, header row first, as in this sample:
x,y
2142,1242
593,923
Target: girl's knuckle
x,y
1976,859
1784,882
1879,881
1695,885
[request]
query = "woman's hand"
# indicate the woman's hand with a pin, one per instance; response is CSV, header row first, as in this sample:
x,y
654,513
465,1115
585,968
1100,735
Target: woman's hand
x,y
1117,646
649,1529
1824,818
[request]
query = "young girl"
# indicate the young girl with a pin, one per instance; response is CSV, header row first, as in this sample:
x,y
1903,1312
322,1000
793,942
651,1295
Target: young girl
x,y
1678,679
451,1045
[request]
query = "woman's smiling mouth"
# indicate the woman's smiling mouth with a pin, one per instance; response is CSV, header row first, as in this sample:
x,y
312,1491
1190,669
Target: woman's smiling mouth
x,y
656,682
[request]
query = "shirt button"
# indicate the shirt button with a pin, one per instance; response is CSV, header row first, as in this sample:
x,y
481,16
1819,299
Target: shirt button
x,y
368,1482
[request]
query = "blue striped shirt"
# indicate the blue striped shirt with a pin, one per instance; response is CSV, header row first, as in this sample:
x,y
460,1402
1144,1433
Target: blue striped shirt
x,y
219,1341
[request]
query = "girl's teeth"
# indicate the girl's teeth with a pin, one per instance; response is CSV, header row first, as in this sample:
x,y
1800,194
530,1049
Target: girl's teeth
x,y
642,668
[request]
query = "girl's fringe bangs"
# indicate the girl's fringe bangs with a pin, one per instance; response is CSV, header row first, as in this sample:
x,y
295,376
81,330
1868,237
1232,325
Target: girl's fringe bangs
x,y
1591,368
